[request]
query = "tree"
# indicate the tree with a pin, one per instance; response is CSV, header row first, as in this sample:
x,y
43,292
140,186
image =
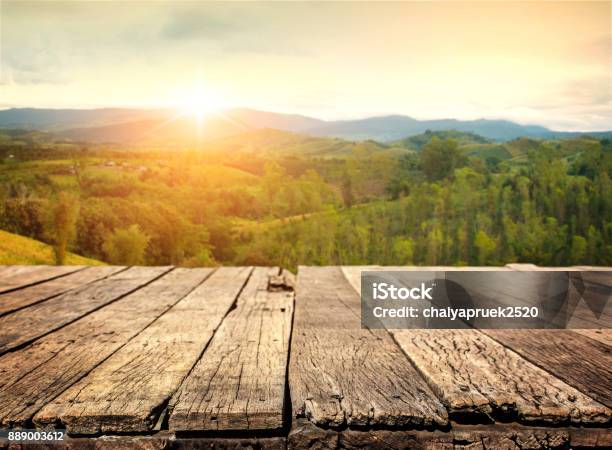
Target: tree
x,y
126,246
273,178
64,214
347,190
485,246
403,251
578,249
434,241
439,158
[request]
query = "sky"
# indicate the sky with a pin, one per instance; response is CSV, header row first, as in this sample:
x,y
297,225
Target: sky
x,y
547,63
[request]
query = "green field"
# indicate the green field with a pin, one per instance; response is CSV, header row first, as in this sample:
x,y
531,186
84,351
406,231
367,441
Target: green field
x,y
15,249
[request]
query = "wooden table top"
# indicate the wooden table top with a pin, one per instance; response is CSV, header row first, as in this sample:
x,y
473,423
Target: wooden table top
x,y
156,357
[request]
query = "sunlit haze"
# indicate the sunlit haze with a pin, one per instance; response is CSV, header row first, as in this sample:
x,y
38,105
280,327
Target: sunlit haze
x,y
546,63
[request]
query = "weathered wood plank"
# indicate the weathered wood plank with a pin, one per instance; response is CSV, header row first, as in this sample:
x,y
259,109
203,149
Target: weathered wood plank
x,y
581,362
162,440
22,276
341,374
473,374
601,335
29,324
239,383
304,435
33,376
8,271
127,391
12,301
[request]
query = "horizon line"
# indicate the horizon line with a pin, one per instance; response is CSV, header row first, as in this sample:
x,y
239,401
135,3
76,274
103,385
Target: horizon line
x,y
348,119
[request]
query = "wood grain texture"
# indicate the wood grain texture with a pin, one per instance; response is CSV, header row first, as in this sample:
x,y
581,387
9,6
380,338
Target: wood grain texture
x,y
31,323
304,435
17,277
473,374
33,376
581,362
10,271
239,383
127,391
6,271
11,301
601,335
341,374
162,440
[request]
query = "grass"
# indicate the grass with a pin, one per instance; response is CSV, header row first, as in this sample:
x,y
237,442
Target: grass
x,y
15,249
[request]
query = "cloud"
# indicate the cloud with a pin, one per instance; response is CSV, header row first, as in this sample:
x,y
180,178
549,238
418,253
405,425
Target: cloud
x,y
35,63
196,24
229,29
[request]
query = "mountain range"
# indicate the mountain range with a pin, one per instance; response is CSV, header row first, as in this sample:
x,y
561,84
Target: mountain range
x,y
116,125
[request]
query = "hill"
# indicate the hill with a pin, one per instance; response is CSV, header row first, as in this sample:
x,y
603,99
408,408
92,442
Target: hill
x,y
62,119
15,249
168,126
418,141
516,149
390,128
273,142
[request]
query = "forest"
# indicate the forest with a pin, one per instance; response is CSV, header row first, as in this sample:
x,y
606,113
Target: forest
x,y
276,198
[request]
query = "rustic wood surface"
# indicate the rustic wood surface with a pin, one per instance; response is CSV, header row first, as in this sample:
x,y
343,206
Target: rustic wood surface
x,y
571,357
35,375
239,383
201,358
304,435
603,336
473,373
126,391
341,374
12,301
28,324
21,276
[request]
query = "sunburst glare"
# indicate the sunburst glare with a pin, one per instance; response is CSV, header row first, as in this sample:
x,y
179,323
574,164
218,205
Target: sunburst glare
x,y
198,103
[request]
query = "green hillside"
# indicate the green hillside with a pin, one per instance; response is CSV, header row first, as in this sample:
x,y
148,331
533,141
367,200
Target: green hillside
x,y
474,145
280,143
271,197
15,249
417,142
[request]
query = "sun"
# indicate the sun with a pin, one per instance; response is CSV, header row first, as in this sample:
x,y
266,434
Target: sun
x,y
198,104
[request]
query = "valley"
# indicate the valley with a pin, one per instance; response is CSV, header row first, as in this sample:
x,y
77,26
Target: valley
x,y
274,197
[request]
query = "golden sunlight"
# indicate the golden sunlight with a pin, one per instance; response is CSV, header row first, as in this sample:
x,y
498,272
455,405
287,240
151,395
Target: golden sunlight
x,y
198,103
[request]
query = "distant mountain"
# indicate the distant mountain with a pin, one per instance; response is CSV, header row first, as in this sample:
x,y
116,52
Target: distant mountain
x,y
145,125
59,119
263,119
391,128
